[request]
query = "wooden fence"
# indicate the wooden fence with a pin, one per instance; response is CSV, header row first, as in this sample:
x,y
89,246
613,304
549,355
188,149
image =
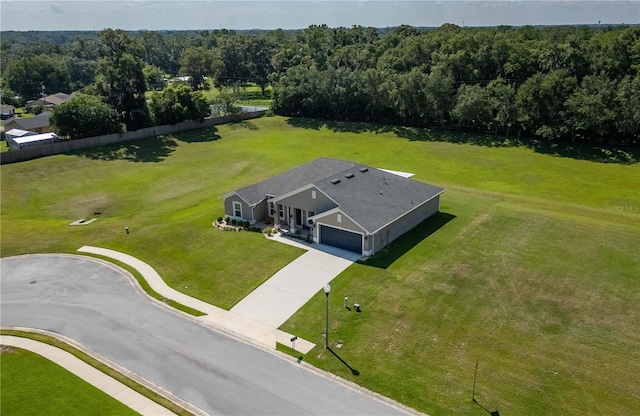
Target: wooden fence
x,y
89,142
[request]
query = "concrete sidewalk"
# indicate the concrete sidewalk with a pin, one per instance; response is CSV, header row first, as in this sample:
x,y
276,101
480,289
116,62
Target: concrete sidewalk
x,y
98,379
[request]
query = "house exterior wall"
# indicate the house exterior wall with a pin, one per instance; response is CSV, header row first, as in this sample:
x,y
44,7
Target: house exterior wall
x,y
332,220
345,223
405,223
228,208
304,200
260,211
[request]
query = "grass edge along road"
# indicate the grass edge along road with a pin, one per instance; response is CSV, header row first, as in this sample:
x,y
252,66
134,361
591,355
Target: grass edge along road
x,y
531,256
95,363
31,385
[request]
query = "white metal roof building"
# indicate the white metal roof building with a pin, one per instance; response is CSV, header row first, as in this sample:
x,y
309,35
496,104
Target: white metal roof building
x,y
31,141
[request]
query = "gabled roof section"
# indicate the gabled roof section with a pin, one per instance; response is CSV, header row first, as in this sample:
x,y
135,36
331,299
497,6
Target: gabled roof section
x,y
293,179
52,99
375,198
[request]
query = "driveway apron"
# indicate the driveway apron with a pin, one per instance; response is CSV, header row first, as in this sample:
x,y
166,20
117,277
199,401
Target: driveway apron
x,y
277,299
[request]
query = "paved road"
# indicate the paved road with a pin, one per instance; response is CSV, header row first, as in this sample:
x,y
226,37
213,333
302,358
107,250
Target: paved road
x,y
97,306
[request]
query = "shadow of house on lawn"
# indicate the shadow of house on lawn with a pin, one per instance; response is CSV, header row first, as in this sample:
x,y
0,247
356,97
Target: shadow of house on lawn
x,y
581,151
151,149
385,257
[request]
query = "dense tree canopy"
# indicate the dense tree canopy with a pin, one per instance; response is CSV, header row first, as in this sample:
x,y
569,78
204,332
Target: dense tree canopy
x,y
181,103
564,82
84,116
120,78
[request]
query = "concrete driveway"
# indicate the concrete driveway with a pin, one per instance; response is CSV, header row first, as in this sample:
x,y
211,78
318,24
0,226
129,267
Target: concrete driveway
x,y
277,299
100,307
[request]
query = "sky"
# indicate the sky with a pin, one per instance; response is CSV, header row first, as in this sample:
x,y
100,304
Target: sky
x,y
297,14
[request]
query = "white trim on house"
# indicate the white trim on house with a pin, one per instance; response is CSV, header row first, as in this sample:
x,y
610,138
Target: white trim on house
x,y
304,188
234,208
335,210
294,192
232,193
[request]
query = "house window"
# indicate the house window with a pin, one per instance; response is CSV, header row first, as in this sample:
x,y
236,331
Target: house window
x,y
272,209
311,214
339,218
280,210
237,209
313,194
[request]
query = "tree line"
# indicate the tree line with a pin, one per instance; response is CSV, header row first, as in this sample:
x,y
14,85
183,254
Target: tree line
x,y
565,82
576,83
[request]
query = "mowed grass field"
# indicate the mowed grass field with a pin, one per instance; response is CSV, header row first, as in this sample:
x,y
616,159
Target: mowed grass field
x,y
33,385
531,268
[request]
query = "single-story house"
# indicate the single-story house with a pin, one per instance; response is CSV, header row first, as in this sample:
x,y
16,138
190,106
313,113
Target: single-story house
x,y
24,142
49,100
343,204
37,124
6,111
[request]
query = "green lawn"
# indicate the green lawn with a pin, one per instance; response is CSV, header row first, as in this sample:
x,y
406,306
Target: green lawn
x,y
531,268
33,385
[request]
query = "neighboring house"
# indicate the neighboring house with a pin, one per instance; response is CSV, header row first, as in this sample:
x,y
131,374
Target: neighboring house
x,y
23,142
36,124
49,100
343,204
6,111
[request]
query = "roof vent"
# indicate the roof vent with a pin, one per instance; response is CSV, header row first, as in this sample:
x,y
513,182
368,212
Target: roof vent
x,y
349,175
363,170
335,181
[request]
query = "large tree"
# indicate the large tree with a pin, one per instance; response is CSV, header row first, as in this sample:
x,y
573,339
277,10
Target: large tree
x,y
541,103
181,103
30,75
120,78
473,106
590,109
84,116
199,63
628,107
503,102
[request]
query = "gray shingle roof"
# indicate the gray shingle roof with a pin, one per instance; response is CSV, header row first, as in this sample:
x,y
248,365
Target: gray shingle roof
x,y
373,198
376,198
293,179
36,122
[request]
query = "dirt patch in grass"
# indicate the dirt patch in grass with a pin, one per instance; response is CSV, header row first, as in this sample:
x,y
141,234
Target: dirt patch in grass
x,y
7,349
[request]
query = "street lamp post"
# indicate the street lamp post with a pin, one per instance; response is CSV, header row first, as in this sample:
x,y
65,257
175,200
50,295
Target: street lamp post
x,y
327,289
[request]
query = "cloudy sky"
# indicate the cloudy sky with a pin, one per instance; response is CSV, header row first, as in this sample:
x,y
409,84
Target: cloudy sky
x,y
295,14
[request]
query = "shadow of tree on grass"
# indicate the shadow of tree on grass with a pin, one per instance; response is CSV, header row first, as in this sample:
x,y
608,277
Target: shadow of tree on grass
x,y
385,257
582,151
151,149
208,134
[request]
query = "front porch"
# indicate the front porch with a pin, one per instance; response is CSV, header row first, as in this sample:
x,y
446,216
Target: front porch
x,y
303,233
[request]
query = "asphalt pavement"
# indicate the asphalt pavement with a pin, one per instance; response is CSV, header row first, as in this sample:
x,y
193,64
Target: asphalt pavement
x,y
96,305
